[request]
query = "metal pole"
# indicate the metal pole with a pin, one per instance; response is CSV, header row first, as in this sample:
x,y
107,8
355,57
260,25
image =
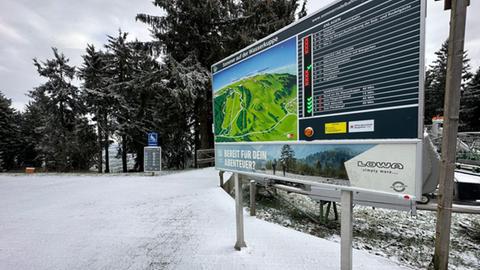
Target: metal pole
x,y
239,212
335,212
450,129
346,230
220,174
253,192
329,204
321,212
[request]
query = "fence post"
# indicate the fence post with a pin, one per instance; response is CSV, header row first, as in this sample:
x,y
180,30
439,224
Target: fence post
x,y
450,128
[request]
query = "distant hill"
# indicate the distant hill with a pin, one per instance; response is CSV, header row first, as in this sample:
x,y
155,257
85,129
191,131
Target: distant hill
x,y
258,108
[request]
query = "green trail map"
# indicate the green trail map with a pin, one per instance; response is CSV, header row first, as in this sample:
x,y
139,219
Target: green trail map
x,y
258,108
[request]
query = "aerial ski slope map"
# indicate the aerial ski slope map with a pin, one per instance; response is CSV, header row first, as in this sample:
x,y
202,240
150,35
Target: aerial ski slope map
x,y
259,108
258,103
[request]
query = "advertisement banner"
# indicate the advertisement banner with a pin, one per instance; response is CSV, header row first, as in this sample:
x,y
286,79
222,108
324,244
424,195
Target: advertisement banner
x,y
366,166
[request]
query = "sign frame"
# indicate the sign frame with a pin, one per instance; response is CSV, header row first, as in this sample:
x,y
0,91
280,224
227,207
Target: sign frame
x,y
418,141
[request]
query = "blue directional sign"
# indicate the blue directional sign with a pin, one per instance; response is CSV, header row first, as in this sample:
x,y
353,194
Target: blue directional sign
x,y
152,139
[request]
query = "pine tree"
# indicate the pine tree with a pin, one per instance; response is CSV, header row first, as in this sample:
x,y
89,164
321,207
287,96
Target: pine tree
x,y
194,29
470,105
145,77
303,11
31,126
185,82
287,157
119,73
66,136
435,82
97,99
267,16
9,134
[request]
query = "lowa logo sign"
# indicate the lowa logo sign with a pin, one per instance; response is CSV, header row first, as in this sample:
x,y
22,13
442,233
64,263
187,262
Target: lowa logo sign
x,y
378,169
381,165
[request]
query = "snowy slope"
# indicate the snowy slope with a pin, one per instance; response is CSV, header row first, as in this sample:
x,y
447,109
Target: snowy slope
x,y
176,221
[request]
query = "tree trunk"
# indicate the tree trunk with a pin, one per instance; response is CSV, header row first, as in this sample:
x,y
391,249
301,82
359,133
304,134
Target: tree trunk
x,y
107,145
107,159
99,132
196,142
140,158
205,133
124,154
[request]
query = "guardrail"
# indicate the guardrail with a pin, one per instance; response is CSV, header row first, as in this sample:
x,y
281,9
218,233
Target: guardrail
x,y
205,156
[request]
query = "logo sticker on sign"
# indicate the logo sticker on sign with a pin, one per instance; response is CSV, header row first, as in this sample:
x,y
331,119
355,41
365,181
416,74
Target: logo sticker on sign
x,y
361,126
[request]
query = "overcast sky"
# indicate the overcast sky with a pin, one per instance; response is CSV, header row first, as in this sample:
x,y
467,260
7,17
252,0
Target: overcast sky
x,y
29,29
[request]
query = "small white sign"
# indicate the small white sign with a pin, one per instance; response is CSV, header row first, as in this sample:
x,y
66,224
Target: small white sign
x,y
361,126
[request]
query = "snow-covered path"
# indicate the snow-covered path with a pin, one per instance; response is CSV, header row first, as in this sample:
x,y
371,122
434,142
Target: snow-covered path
x,y
177,221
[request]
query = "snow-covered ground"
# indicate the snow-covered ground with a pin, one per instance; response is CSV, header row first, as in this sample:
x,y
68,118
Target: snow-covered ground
x,y
393,234
175,221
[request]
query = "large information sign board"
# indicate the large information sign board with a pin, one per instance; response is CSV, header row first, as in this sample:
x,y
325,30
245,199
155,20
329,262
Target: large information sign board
x,y
336,97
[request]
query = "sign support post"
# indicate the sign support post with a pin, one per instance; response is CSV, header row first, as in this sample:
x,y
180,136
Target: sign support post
x,y
450,130
239,212
346,230
253,191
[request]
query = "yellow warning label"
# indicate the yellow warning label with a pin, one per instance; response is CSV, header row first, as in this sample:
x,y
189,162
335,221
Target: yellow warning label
x,y
336,128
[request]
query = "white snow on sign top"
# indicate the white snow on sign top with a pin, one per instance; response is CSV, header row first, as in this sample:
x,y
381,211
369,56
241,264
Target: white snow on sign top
x,y
176,221
467,178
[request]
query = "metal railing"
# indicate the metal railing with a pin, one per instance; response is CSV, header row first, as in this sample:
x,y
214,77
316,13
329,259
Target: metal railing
x,y
205,156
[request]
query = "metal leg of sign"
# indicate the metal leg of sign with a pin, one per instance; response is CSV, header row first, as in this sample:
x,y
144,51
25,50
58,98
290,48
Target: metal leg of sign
x,y
335,212
346,231
239,212
321,212
220,174
329,204
253,192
